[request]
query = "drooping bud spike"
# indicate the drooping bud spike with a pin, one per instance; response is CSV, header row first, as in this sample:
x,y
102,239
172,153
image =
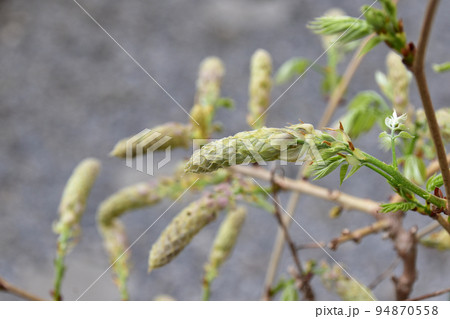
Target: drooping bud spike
x,y
399,79
159,138
259,88
76,192
127,199
264,144
115,243
179,233
209,82
225,240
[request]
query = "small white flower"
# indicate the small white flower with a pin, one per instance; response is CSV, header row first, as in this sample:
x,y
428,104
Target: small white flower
x,y
394,121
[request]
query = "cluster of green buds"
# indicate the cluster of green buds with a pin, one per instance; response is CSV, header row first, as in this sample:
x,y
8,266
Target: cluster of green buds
x,y
389,28
259,88
223,244
348,288
292,144
140,196
209,82
159,138
179,233
383,22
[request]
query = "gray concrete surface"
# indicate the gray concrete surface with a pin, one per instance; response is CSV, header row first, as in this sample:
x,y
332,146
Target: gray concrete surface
x,y
67,91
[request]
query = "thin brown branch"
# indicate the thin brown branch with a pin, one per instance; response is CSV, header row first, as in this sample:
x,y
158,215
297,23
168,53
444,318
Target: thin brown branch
x,y
311,246
427,229
7,287
345,200
303,277
418,70
360,233
405,243
430,295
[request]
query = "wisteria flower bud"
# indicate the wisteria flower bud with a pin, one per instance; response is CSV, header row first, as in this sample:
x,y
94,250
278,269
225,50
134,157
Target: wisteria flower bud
x,y
209,81
399,78
259,88
75,195
179,233
159,138
115,242
258,146
225,240
127,199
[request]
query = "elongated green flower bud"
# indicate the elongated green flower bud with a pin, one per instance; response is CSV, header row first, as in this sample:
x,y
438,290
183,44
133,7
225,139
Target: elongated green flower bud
x,y
345,287
399,79
225,240
170,134
259,88
329,40
127,199
439,240
75,195
115,242
71,209
186,225
264,144
209,81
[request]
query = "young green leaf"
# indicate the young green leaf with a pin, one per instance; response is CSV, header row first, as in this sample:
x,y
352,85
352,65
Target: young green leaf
x,y
290,292
385,140
415,169
404,134
395,207
342,173
434,181
329,166
372,43
291,68
352,171
363,111
349,28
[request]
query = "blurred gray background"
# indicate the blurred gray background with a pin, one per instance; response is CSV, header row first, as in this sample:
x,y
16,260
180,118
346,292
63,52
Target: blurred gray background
x,y
67,91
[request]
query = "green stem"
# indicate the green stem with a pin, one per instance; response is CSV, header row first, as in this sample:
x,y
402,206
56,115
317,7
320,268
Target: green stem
x,y
394,156
59,264
382,173
401,181
206,289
